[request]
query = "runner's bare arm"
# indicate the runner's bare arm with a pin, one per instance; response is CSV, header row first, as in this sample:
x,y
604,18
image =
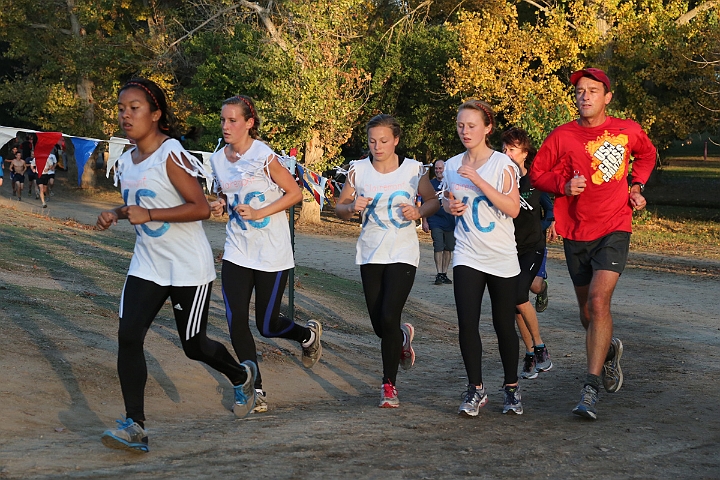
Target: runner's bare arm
x,y
282,177
195,207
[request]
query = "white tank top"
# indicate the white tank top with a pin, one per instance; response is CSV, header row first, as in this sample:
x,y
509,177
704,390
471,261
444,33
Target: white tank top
x,y
484,236
257,244
176,253
386,236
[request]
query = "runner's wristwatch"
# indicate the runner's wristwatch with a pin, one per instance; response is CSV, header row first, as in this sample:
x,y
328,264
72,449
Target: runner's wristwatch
x,y
641,185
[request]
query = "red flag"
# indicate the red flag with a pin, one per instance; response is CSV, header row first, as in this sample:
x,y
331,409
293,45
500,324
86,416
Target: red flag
x,y
46,141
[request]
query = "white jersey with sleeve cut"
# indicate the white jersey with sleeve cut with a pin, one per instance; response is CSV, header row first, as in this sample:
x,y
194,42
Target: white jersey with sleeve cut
x,y
484,236
50,165
169,254
386,236
264,244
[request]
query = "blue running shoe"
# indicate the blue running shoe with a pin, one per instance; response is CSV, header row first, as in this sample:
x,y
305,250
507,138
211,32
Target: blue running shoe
x,y
586,407
128,436
513,400
245,394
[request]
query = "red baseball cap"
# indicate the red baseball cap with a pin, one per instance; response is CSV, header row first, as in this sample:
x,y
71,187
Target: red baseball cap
x,y
594,73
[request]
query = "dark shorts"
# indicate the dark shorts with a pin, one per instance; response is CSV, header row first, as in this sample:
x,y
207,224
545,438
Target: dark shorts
x,y
542,272
443,240
32,176
606,253
18,177
529,267
43,180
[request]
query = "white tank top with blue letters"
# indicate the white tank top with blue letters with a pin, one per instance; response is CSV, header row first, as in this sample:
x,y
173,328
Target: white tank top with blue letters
x,y
169,254
484,236
257,244
386,236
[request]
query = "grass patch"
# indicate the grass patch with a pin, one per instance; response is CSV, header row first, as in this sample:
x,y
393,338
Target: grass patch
x,y
349,292
673,232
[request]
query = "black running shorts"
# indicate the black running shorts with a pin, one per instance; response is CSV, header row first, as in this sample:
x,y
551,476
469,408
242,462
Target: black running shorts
x,y
606,253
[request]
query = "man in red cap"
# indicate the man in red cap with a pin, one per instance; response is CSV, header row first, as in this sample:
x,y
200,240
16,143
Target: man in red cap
x,y
585,163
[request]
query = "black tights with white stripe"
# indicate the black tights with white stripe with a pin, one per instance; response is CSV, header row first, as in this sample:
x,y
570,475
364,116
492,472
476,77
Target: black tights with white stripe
x,y
140,303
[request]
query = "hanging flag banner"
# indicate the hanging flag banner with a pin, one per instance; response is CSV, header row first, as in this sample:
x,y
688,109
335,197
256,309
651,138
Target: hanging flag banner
x,y
7,134
314,183
46,141
84,147
117,145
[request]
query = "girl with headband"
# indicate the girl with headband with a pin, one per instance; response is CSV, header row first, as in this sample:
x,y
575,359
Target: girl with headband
x,y
382,189
255,189
482,192
172,257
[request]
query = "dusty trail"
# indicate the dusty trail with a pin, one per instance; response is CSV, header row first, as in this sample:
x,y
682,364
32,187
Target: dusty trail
x,y
59,389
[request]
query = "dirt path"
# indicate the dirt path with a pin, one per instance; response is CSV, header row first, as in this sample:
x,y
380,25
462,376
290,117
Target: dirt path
x,y
59,389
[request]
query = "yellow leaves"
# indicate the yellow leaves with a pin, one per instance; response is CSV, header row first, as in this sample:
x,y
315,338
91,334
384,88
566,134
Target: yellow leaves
x,y
506,63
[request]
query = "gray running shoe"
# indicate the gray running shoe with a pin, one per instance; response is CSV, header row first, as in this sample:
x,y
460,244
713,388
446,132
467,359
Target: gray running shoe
x,y
312,353
473,400
128,436
542,360
439,279
407,355
513,400
586,407
261,405
245,394
528,370
612,375
541,300
389,396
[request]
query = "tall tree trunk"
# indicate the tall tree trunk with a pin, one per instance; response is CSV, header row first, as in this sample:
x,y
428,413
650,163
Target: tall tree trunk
x,y
310,212
85,94
602,26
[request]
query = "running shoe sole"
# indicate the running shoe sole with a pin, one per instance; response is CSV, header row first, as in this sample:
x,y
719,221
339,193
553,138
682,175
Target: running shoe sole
x,y
618,354
407,356
309,360
582,411
111,441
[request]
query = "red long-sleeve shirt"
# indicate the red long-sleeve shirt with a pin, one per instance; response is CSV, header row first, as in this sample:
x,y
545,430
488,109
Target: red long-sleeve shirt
x,y
602,155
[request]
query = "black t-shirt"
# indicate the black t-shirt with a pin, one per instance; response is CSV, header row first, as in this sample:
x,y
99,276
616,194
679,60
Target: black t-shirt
x,y
529,234
27,148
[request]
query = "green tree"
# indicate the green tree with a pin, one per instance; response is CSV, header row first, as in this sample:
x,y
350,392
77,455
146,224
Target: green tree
x,y
299,65
408,62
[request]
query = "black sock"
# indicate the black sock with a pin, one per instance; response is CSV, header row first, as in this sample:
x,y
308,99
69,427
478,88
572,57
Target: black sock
x,y
141,423
594,381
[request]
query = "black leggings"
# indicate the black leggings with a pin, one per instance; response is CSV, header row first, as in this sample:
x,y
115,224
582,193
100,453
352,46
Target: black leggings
x,y
140,302
469,289
237,288
386,288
